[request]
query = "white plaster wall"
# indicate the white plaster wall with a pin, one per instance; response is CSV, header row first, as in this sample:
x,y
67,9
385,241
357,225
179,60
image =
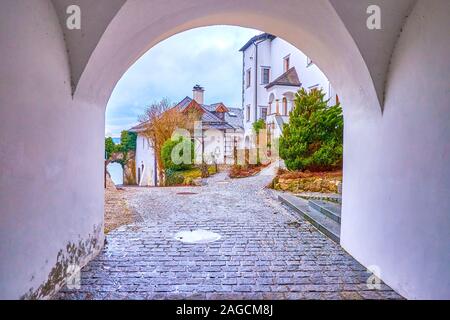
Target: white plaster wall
x,y
396,203
396,177
264,60
249,92
145,155
51,148
309,75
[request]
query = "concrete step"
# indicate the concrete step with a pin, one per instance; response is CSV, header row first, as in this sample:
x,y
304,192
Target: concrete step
x,y
324,224
330,209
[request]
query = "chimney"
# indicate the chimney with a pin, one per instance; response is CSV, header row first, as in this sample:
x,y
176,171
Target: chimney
x,y
198,94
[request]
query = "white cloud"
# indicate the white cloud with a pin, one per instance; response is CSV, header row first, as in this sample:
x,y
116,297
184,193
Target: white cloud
x,y
207,56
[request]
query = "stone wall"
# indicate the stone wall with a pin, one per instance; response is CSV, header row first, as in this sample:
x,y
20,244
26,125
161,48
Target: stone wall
x,y
128,162
129,173
323,184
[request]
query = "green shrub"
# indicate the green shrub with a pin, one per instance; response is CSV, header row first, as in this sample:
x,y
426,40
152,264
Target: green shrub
x,y
313,138
173,157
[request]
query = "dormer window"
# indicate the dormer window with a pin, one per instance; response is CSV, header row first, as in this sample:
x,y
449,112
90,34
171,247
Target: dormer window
x,y
286,63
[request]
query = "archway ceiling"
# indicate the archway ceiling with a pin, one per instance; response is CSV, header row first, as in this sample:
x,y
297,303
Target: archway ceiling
x,y
96,15
322,25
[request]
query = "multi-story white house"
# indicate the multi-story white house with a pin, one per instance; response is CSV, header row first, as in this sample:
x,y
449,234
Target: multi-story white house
x,y
273,71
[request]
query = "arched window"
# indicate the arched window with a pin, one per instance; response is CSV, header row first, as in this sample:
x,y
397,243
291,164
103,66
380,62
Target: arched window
x,y
285,106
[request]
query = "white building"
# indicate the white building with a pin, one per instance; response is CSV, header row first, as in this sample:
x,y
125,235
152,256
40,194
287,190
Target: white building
x,y
273,72
221,131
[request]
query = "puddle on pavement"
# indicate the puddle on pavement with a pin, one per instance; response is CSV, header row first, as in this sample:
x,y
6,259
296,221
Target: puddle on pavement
x,y
197,236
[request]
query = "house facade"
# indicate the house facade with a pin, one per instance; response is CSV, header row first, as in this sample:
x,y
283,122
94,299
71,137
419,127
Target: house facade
x,y
221,130
273,72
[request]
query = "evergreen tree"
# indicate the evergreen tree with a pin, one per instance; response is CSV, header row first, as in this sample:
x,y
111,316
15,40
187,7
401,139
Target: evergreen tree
x,y
257,127
127,141
109,147
313,138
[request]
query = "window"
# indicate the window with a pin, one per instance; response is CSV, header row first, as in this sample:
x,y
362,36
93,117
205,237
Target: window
x,y
308,61
265,75
264,113
286,63
248,113
248,78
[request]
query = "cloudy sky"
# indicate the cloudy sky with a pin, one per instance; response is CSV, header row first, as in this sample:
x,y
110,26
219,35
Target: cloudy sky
x,y
207,56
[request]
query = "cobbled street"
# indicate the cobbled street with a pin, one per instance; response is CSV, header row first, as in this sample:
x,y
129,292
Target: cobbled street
x,y
266,251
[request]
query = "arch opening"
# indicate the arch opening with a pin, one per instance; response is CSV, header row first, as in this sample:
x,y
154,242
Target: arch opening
x,y
379,211
329,46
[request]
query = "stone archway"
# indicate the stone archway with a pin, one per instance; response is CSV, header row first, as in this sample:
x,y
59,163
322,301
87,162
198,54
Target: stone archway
x,y
380,77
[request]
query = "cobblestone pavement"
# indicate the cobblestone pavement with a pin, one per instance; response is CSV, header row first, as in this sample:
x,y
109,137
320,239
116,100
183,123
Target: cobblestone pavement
x,y
266,251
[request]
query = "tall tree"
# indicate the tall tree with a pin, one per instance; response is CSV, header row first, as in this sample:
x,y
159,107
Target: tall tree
x,y
128,141
161,120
